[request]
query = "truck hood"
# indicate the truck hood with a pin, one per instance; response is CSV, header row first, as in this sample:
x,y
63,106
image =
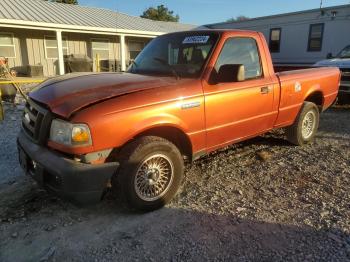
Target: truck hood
x,y
337,62
67,94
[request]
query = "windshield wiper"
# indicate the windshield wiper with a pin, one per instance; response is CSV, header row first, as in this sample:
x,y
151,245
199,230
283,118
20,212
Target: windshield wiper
x,y
173,71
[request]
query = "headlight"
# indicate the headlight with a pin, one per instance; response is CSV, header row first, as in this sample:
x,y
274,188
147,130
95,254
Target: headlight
x,y
68,134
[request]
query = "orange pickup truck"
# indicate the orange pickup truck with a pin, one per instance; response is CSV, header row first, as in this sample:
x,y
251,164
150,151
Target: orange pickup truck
x,y
185,95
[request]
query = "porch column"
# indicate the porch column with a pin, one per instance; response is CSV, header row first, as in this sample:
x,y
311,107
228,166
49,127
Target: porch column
x,y
122,53
60,52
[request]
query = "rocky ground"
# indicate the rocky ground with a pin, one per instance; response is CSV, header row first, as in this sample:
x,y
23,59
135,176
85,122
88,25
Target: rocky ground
x,y
261,200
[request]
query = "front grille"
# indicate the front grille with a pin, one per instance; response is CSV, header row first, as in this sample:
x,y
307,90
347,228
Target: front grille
x,y
36,121
345,74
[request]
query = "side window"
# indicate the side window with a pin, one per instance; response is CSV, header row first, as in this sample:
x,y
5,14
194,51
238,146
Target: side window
x,y
51,51
315,38
241,51
275,40
7,45
100,47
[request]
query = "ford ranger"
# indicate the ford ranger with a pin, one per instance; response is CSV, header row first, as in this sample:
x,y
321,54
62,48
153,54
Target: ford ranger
x,y
185,95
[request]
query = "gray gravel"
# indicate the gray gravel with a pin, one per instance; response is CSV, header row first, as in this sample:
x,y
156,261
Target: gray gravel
x,y
260,200
9,167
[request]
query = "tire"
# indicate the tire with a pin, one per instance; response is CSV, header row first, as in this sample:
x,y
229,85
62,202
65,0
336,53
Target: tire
x,y
145,163
305,127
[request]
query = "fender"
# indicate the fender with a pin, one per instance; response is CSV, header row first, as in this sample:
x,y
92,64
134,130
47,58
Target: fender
x,y
313,89
163,120
288,114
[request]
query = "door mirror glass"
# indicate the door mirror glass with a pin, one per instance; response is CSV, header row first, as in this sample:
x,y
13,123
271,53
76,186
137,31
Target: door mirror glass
x,y
231,73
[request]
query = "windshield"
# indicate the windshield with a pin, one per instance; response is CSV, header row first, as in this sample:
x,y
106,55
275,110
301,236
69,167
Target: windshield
x,y
345,53
181,55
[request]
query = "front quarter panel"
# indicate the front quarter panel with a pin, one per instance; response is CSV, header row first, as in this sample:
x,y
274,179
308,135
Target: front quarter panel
x,y
114,122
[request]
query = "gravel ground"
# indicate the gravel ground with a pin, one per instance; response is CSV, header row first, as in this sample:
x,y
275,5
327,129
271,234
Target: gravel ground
x,y
260,200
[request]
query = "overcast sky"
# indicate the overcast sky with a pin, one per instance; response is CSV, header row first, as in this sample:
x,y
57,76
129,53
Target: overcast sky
x,y
210,11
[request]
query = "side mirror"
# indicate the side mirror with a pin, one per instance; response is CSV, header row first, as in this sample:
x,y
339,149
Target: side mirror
x,y
231,73
329,56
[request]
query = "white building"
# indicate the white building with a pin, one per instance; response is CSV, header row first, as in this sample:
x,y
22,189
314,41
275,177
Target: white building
x,y
37,33
301,38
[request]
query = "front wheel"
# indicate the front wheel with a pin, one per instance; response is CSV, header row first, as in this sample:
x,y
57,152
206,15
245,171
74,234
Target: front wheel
x,y
150,174
305,127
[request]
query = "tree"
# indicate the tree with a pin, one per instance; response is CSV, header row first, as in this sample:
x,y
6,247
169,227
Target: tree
x,y
72,2
238,18
161,13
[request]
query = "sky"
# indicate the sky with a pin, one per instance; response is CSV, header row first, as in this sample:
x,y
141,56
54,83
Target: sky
x,y
200,12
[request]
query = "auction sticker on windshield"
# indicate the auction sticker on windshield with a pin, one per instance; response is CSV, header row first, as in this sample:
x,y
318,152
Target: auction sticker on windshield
x,y
198,39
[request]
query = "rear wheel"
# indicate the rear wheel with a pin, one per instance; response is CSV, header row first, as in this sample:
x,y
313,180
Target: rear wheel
x,y
305,127
150,173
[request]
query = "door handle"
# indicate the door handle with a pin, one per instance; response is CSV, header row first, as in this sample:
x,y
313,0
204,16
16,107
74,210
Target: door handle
x,y
265,90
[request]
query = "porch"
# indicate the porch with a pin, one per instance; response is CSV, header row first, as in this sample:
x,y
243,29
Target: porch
x,y
49,51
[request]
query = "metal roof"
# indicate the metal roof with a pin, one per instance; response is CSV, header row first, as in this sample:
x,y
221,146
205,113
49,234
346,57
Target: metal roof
x,y
44,12
329,8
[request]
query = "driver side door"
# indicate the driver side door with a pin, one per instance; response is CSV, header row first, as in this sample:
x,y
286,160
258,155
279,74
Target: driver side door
x,y
238,110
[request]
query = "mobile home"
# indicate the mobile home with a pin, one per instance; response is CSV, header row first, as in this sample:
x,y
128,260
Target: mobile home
x,y
301,38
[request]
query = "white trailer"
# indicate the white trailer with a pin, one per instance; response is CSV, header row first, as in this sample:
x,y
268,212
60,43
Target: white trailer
x,y
301,38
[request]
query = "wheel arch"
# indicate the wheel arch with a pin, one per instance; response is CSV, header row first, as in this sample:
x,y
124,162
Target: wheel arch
x,y
173,134
316,96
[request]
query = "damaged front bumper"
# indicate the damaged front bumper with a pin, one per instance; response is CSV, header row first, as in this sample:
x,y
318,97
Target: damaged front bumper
x,y
78,182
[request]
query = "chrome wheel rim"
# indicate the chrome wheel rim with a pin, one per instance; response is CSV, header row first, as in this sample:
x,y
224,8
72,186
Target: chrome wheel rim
x,y
308,124
154,177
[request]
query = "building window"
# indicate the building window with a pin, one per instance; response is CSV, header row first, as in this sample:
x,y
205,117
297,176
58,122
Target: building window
x,y
100,47
7,45
241,51
51,51
275,40
135,48
315,37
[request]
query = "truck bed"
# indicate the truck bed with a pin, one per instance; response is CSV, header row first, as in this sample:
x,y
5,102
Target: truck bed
x,y
298,84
